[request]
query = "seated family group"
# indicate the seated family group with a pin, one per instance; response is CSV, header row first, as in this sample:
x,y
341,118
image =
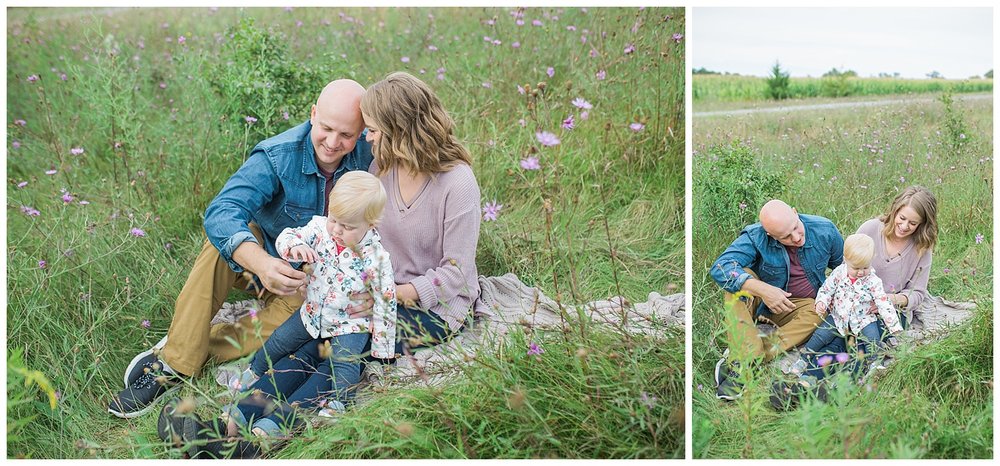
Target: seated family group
x,y
775,272
296,225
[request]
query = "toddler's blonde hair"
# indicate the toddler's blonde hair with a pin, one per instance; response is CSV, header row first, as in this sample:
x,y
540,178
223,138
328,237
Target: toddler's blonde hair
x,y
357,195
858,250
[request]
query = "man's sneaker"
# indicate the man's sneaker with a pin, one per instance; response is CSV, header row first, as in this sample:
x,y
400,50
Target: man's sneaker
x,y
134,368
720,367
727,379
183,429
139,397
785,395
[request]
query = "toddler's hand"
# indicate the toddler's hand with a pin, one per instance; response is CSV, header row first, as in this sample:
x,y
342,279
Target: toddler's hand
x,y
821,309
303,254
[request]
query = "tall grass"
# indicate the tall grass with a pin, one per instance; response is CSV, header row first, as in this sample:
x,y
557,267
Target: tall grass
x,y
131,111
847,165
712,88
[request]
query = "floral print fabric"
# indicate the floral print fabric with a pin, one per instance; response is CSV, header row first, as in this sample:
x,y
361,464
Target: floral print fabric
x,y
855,305
340,272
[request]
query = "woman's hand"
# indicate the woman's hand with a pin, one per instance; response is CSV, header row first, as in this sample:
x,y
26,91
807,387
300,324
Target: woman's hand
x,y
361,305
899,300
406,294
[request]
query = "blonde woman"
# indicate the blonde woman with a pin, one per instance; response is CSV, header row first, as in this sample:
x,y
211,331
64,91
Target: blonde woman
x,y
904,237
431,223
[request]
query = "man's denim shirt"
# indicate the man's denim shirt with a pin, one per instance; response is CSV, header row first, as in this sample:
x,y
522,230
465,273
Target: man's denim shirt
x,y
279,186
754,249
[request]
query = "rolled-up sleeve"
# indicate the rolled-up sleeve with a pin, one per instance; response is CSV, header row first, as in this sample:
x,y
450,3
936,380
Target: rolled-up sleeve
x,y
727,271
227,218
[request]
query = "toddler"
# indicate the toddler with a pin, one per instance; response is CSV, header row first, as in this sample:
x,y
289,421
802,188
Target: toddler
x,y
348,258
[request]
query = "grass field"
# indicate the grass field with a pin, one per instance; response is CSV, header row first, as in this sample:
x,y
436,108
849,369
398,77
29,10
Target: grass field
x,y
123,124
728,88
847,165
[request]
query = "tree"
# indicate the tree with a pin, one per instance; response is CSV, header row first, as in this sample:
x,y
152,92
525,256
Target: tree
x,y
989,74
935,75
778,83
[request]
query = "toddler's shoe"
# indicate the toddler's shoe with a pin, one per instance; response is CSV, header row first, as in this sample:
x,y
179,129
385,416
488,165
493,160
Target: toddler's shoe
x,y
244,381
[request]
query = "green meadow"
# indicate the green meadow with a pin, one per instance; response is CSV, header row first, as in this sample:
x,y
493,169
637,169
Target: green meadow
x,y
848,164
124,123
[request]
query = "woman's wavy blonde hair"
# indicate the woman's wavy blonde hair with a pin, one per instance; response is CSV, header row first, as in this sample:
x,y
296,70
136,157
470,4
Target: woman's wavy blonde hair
x,y
416,129
925,205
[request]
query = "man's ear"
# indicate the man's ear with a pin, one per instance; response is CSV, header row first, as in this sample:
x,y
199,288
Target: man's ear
x,y
795,211
312,114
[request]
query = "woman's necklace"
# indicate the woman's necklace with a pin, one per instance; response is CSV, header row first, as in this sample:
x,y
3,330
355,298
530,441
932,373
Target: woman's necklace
x,y
894,248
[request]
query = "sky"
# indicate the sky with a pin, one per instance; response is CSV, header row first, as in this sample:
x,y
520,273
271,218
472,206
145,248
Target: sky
x,y
955,42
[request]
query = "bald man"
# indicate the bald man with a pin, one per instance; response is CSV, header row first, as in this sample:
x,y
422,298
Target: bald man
x,y
780,263
285,181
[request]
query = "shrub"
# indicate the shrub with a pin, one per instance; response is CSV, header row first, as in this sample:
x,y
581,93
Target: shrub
x,y
256,78
731,187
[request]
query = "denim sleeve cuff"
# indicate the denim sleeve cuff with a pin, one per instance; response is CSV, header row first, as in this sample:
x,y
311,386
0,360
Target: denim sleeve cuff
x,y
426,296
229,247
736,285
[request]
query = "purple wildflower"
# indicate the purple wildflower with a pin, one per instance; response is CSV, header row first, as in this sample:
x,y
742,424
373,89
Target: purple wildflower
x,y
30,211
51,171
491,210
629,49
743,206
842,357
488,85
42,264
405,59
432,48
637,127
601,75
520,90
76,151
436,281
648,401
250,120
145,323
584,115
550,71
22,184
285,115
824,360
547,139
568,122
163,85
677,37
534,349
67,198
32,78
20,122
530,163
516,45
579,102
15,144
536,22
253,313
181,40
137,232
979,238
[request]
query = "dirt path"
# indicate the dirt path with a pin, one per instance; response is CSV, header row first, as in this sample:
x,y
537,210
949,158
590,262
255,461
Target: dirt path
x,y
870,103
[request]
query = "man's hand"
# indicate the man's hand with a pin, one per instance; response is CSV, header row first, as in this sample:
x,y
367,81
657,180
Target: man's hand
x,y
774,298
280,278
361,305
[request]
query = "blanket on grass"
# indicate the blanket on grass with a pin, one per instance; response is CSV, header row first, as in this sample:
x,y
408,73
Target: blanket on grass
x,y
504,303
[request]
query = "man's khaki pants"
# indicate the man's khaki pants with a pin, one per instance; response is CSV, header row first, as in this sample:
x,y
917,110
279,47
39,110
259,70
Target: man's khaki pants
x,y
192,340
794,328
